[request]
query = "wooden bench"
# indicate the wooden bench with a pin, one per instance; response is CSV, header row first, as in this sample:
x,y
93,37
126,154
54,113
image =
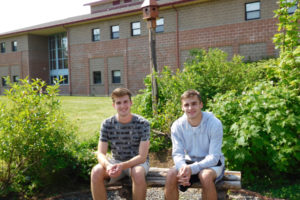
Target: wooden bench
x,y
156,177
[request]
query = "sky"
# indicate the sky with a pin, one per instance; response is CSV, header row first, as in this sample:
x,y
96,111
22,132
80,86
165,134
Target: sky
x,y
16,14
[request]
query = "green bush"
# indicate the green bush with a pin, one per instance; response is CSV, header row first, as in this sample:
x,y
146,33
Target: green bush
x,y
261,129
209,72
34,138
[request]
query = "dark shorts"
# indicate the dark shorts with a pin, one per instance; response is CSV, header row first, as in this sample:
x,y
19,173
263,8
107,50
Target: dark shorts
x,y
195,178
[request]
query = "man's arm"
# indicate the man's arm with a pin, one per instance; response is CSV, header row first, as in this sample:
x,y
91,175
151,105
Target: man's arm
x,y
140,158
178,153
101,154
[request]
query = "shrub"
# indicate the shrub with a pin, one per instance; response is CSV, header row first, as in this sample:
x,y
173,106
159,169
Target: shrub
x,y
209,72
261,129
34,138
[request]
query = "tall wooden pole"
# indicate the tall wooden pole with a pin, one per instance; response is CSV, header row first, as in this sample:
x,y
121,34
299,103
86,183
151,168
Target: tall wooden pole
x,y
150,13
153,64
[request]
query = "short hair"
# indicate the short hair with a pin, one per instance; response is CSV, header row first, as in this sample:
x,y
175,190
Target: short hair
x,y
191,93
120,92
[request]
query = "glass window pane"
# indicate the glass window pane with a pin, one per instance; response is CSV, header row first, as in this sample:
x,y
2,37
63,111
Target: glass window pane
x,y
252,6
15,79
117,73
60,52
159,29
59,43
136,25
115,28
97,77
65,64
292,9
116,76
60,63
253,15
160,22
137,32
66,79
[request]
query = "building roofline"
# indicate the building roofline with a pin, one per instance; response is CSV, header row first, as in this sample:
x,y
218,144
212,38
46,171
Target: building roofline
x,y
99,2
64,24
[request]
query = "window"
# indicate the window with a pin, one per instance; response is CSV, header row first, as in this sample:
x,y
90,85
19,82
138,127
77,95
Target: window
x,y
58,58
293,7
97,77
159,25
116,2
64,78
4,83
2,47
95,34
14,45
135,28
15,79
127,1
115,34
252,10
116,76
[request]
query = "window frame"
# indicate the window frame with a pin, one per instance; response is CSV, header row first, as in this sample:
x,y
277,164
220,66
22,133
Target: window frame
x,y
134,29
252,11
94,77
96,36
2,47
3,81
114,34
14,46
58,58
113,78
15,78
158,26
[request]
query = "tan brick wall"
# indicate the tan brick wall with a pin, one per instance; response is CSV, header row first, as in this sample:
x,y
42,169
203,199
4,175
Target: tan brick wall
x,y
253,52
217,13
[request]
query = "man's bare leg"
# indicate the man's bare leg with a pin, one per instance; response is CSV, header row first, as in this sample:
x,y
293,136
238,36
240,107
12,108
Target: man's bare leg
x,y
171,186
207,178
139,185
98,176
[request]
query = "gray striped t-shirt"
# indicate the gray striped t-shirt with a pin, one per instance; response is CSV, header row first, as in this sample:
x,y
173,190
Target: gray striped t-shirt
x,y
124,139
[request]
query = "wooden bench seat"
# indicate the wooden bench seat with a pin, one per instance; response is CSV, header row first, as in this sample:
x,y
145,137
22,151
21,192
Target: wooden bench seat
x,y
157,177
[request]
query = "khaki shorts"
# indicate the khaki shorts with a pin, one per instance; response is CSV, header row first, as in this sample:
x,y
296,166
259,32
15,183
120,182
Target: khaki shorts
x,y
126,172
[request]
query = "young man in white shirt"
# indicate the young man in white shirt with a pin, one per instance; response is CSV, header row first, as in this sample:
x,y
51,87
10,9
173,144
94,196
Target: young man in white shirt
x,y
196,149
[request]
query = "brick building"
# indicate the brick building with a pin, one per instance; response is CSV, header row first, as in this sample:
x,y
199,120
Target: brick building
x,y
108,48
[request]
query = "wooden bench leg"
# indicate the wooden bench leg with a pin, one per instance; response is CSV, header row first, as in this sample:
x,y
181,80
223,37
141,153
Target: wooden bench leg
x,y
126,192
222,194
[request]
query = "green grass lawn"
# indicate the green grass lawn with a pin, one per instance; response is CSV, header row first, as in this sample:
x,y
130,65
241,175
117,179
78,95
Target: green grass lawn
x,y
87,113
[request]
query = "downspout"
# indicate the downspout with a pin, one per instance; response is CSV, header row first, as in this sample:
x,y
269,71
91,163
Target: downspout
x,y
177,39
69,63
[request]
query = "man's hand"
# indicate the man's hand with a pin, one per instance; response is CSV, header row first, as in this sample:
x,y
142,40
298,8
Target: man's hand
x,y
184,175
114,170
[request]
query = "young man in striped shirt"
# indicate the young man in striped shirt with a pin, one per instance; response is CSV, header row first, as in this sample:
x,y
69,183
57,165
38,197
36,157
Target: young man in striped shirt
x,y
128,135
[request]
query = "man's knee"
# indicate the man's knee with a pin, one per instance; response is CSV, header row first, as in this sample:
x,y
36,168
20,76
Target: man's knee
x,y
207,176
172,176
98,173
138,175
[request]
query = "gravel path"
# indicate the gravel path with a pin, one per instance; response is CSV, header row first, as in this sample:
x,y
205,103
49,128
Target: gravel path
x,y
155,194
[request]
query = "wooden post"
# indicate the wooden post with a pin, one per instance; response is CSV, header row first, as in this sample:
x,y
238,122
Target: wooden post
x,y
150,13
153,64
